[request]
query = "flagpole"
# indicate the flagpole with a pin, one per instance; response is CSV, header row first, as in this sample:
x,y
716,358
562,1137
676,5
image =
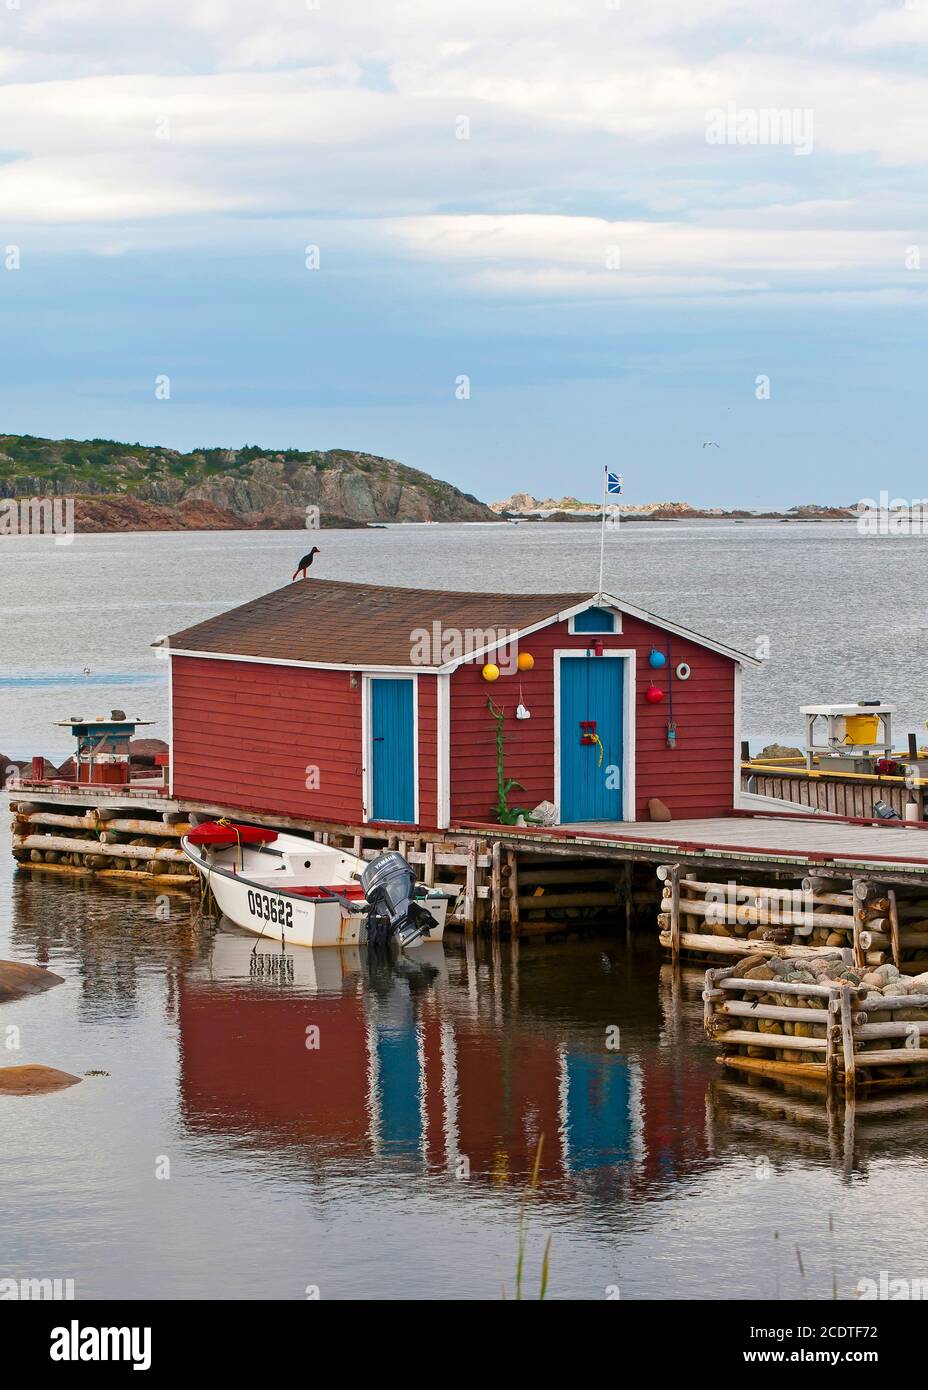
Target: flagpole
x,y
602,530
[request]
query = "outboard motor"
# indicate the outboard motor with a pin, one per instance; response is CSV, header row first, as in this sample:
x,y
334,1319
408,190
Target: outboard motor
x,y
392,913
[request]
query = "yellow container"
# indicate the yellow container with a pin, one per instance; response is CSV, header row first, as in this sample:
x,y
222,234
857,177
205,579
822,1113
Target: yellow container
x,y
861,728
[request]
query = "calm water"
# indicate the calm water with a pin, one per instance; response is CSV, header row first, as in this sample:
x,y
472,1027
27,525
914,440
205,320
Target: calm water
x,y
390,1160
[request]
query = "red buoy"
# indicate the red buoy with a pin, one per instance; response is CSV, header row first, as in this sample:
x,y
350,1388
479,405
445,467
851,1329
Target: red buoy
x,y
654,694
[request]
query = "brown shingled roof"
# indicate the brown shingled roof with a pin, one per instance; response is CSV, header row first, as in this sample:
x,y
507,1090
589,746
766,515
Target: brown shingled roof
x,y
327,622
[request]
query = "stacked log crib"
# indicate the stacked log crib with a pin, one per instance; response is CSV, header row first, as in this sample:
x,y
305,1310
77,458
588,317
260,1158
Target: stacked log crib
x,y
814,1015
877,923
121,845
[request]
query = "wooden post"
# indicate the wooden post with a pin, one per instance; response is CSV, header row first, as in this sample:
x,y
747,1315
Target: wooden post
x,y
894,926
913,747
428,871
745,751
496,886
861,894
847,1039
513,866
675,912
470,889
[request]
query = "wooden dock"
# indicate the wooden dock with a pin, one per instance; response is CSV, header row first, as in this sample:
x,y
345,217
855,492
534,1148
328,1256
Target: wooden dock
x,y
831,847
527,879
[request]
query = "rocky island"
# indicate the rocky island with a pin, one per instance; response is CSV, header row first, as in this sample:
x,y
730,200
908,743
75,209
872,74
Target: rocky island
x,y
522,506
136,487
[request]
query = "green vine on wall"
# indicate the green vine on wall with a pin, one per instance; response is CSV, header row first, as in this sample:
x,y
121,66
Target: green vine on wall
x,y
505,814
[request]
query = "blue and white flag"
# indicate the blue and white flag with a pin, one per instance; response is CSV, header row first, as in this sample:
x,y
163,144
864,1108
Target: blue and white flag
x,y
613,484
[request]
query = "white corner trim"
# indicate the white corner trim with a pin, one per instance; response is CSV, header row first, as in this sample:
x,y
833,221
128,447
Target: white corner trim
x,y
628,721
170,728
737,747
443,750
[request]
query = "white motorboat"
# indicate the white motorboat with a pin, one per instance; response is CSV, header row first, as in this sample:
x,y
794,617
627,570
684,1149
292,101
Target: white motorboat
x,y
294,889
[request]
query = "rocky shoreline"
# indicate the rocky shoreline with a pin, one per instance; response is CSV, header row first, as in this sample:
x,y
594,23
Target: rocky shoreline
x,y
521,506
97,515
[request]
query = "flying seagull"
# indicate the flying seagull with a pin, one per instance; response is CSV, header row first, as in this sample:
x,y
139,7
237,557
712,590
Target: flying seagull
x,y
305,563
710,444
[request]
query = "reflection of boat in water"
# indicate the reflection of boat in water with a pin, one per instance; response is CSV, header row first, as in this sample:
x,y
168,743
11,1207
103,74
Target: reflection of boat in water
x,y
237,959
294,889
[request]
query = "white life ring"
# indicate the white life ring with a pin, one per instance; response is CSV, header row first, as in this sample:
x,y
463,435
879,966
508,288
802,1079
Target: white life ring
x,y
683,672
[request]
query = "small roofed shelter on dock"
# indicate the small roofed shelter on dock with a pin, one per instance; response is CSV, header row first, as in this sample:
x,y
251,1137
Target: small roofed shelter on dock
x,y
353,703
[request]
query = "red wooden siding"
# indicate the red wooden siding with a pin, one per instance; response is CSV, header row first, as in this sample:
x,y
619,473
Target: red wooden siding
x,y
694,779
246,733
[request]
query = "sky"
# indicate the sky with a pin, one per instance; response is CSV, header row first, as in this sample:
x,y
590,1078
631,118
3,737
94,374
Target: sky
x,y
505,242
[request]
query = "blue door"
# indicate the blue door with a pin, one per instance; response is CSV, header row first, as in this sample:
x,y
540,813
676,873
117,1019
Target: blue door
x,y
591,773
392,757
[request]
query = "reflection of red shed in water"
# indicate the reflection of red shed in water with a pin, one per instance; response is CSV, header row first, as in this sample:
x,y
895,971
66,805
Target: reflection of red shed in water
x,y
352,703
392,1075
245,1065
674,1139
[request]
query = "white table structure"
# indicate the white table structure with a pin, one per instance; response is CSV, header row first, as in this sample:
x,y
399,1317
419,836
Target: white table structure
x,y
839,729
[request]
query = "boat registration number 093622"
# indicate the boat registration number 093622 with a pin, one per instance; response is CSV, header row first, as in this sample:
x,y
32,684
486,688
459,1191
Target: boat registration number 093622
x,y
270,908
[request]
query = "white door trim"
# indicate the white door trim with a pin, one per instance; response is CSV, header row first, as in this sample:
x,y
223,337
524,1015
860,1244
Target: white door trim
x,y
367,747
628,721
443,741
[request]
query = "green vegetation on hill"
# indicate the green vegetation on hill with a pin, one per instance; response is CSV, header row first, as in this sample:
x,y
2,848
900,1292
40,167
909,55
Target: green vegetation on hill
x,y
245,481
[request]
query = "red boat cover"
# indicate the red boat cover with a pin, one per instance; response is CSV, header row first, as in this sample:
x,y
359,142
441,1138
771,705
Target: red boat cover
x,y
211,833
352,891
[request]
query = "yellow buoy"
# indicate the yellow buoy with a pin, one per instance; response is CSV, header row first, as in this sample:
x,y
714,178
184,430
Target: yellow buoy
x,y
526,661
490,672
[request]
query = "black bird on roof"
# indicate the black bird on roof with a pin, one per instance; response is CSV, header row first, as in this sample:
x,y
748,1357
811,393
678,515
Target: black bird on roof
x,y
305,563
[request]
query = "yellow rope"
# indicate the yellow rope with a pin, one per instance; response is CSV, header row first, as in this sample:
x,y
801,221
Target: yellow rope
x,y
596,739
224,820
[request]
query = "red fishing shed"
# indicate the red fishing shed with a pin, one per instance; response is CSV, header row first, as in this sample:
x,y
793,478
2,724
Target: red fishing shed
x,y
351,703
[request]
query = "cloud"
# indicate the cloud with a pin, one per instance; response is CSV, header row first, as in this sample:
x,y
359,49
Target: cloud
x,y
586,121
584,256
